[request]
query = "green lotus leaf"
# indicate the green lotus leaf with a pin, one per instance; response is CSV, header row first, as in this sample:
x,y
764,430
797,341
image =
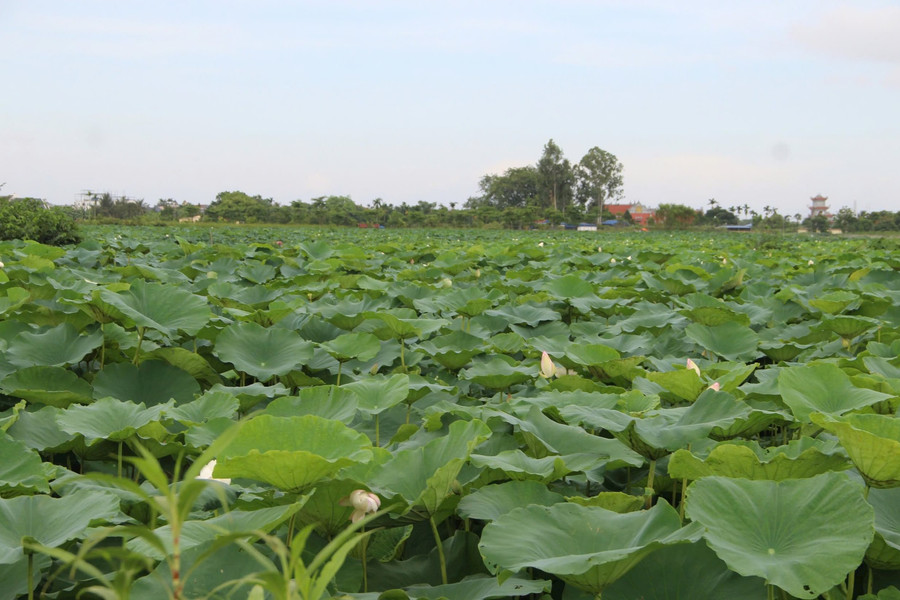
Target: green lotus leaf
x,y
823,388
190,362
683,383
499,372
529,314
252,394
152,382
577,447
479,587
731,340
569,286
326,401
619,502
587,547
194,533
13,298
349,346
50,521
884,553
211,405
108,419
377,394
14,576
165,308
835,302
292,453
888,593
9,417
403,327
872,442
591,354
454,350
55,347
712,316
40,431
741,461
848,326
685,572
782,351
491,501
54,386
518,466
262,352
21,470
802,535
424,476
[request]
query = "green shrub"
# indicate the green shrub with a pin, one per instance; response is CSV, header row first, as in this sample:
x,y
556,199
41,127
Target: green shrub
x,y
32,219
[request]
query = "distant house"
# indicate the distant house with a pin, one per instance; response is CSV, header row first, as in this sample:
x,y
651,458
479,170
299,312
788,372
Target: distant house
x,y
639,213
587,227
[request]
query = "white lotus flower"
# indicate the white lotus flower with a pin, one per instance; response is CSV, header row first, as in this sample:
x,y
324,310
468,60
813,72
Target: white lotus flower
x,y
541,244
1,265
207,473
548,369
612,261
363,503
810,263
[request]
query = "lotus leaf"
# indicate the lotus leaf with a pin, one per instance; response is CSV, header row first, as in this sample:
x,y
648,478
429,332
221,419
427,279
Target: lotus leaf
x,y
108,419
823,388
50,521
165,308
424,476
262,352
491,501
588,547
21,471
872,442
54,386
746,462
884,553
152,382
54,347
292,453
803,535
349,346
731,340
685,572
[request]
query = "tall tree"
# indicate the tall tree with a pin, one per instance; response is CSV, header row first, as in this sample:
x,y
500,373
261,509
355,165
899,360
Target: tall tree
x,y
599,179
556,177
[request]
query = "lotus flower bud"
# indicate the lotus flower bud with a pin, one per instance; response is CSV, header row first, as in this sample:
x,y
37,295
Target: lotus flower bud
x,y
363,503
207,473
810,263
692,365
548,369
612,261
715,386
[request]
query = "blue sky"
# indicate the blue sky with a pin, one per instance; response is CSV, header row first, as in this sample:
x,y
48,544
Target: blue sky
x,y
760,103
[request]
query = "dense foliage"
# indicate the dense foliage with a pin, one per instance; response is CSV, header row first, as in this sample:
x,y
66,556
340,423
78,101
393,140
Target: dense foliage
x,y
502,415
32,219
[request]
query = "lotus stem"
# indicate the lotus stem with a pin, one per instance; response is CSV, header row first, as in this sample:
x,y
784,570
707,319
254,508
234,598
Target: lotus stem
x,y
137,350
648,493
770,591
119,461
365,560
851,577
377,436
440,549
402,355
340,366
30,574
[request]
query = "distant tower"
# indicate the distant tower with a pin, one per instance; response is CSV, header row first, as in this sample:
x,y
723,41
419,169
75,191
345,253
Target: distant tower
x,y
819,206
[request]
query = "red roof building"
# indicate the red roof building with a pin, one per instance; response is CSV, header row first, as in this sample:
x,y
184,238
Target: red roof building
x,y
639,214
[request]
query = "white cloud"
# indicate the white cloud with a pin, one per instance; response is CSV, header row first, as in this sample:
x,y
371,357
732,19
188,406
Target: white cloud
x,y
855,33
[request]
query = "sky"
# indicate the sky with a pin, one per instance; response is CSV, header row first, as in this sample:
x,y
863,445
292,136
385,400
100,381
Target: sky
x,y
763,103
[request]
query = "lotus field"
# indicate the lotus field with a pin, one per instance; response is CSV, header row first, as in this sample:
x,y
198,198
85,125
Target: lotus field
x,y
307,414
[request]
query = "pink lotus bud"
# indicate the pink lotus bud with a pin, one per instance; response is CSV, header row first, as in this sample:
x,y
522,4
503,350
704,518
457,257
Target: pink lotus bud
x,y
363,503
715,386
548,369
692,365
